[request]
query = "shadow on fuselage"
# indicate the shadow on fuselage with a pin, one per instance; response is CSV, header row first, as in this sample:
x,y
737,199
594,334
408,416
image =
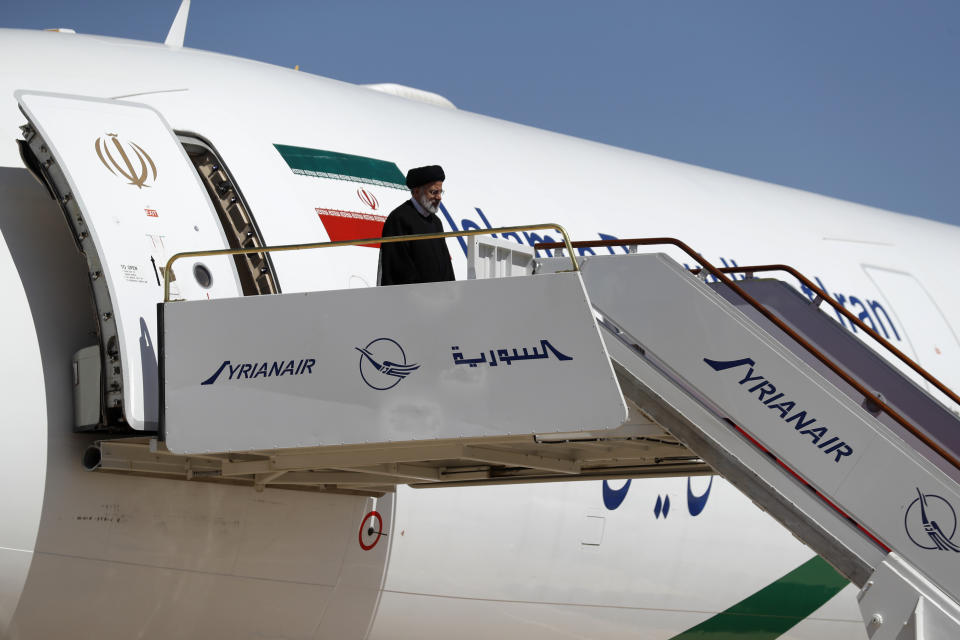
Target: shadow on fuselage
x,y
53,275
54,278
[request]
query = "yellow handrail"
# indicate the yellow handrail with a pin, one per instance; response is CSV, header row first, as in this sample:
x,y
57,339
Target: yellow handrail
x,y
168,270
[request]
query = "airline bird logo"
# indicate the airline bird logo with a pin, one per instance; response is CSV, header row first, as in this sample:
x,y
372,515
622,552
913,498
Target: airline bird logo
x,y
388,368
383,364
930,526
931,522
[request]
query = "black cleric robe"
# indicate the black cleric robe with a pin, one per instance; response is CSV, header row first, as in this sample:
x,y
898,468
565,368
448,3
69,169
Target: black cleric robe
x,y
418,261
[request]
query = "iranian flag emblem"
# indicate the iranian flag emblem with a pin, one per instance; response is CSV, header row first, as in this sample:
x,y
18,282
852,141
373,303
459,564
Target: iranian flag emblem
x,y
351,188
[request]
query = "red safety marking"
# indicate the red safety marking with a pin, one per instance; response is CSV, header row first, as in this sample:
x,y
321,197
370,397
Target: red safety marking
x,y
796,475
378,529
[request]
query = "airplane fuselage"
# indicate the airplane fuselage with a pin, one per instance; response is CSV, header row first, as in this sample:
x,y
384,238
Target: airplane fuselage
x,y
99,555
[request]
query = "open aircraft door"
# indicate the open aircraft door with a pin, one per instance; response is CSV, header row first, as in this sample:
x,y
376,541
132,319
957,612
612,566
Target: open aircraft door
x,y
132,199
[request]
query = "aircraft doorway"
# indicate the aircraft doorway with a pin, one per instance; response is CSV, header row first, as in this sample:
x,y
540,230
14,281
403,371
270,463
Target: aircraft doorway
x,y
255,270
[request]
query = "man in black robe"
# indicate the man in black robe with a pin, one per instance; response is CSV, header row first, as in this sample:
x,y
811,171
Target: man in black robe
x,y
420,260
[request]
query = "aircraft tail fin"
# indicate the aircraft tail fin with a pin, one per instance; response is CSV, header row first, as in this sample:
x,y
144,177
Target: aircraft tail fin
x,y
178,30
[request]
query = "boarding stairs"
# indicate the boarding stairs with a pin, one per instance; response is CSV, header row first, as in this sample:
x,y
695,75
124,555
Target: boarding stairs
x,y
820,431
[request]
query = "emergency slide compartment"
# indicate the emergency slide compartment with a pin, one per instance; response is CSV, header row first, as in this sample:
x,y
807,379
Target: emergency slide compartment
x,y
453,361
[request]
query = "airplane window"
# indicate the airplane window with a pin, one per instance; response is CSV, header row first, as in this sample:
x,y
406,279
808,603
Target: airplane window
x,y
255,270
203,276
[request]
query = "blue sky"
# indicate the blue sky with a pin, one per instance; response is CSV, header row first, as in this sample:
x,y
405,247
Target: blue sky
x,y
855,99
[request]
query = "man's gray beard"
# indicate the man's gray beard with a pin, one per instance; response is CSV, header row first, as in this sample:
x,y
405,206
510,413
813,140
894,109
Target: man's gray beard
x,y
428,206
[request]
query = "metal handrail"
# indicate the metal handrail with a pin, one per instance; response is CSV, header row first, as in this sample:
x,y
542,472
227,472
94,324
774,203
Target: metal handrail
x,y
717,273
823,296
168,270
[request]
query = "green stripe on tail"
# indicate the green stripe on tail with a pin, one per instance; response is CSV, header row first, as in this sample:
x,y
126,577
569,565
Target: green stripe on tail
x,y
775,609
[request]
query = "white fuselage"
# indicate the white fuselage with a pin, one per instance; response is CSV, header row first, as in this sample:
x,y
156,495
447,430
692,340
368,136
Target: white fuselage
x,y
109,556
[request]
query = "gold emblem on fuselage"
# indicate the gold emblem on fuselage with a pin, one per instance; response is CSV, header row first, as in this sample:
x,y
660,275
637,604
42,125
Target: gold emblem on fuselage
x,y
125,166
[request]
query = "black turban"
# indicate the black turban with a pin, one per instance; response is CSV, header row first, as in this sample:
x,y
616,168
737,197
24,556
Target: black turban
x,y
424,175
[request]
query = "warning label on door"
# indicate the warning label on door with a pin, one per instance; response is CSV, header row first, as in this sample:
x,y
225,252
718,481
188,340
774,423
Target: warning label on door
x,y
131,273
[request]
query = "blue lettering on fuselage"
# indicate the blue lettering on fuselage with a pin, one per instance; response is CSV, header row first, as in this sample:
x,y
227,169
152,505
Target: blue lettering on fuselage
x,y
523,238
695,504
613,498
